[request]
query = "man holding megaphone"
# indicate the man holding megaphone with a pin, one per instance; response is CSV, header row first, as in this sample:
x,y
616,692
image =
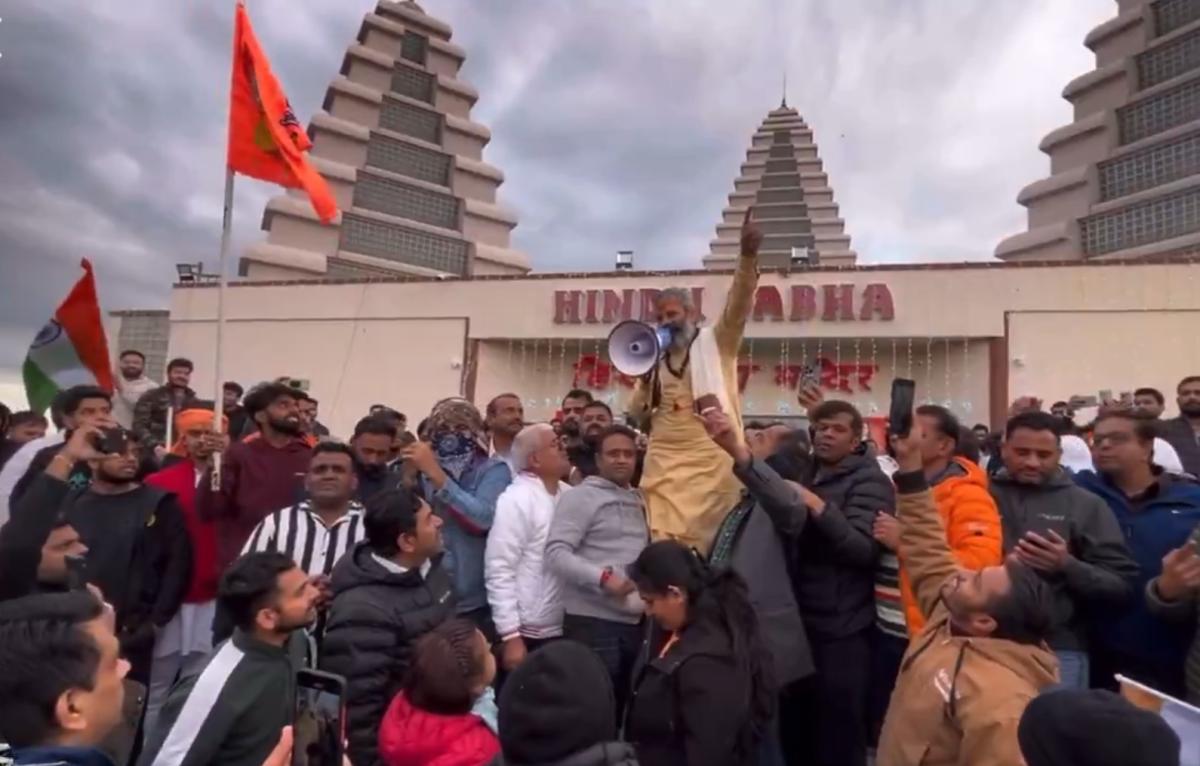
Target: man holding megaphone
x,y
686,369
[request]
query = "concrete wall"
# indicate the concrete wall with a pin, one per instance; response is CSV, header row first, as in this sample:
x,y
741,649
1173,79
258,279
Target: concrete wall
x,y
403,343
1057,354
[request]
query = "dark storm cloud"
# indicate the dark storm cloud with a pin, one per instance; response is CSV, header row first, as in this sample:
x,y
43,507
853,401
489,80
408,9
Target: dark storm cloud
x,y
618,124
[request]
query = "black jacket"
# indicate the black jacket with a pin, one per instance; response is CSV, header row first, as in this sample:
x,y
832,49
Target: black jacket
x,y
140,556
372,483
693,705
1179,434
243,697
835,564
1100,574
79,477
375,617
601,754
34,517
753,540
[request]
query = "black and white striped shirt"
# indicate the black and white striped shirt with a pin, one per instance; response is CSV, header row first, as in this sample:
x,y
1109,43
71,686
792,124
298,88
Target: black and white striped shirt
x,y
298,532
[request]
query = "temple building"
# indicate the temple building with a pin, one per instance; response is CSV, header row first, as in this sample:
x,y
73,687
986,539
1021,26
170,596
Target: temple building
x,y
414,294
1125,174
397,144
785,182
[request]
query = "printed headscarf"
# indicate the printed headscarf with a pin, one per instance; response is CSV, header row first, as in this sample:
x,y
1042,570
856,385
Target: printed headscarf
x,y
456,430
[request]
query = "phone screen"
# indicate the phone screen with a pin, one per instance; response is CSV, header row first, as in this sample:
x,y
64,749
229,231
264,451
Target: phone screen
x,y
77,573
319,724
900,416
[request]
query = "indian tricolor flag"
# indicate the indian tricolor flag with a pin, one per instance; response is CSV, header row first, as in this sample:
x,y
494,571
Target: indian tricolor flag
x,y
71,350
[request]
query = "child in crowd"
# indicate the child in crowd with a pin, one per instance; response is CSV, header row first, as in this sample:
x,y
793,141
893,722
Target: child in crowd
x,y
430,722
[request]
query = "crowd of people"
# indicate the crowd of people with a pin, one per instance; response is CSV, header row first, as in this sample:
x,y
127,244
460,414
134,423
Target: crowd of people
x,y
579,592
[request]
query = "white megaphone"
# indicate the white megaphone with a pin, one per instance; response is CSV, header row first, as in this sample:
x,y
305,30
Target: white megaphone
x,y
635,347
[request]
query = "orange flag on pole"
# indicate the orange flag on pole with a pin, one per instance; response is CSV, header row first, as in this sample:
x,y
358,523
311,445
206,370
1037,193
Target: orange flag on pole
x,y
265,138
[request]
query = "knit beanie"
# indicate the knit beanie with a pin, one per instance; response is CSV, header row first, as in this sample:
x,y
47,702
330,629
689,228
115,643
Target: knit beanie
x,y
557,702
1094,728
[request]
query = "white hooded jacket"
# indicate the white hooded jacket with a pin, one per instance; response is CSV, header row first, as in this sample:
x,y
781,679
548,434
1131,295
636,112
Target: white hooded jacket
x,y
524,595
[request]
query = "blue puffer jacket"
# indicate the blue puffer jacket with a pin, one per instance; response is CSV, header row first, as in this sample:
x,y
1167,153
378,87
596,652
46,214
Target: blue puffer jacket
x,y
1162,525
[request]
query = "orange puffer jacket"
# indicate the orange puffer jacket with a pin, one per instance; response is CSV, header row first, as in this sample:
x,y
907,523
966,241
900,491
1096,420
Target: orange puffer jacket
x,y
972,525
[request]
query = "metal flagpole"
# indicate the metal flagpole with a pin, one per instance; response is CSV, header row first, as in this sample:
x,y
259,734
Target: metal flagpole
x,y
219,393
170,435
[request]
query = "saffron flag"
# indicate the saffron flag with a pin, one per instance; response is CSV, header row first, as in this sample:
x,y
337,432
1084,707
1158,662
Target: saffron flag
x,y
71,350
265,138
1183,718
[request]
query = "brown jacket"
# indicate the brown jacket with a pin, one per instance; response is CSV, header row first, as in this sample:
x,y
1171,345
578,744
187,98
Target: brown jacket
x,y
958,699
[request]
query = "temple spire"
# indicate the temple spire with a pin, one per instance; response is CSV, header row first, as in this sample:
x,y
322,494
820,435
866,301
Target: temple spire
x,y
783,101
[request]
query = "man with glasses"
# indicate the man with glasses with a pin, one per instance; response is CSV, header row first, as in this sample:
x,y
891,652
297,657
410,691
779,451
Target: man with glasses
x,y
1157,512
523,594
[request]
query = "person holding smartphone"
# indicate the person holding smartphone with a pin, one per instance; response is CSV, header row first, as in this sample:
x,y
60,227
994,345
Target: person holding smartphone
x,y
1065,533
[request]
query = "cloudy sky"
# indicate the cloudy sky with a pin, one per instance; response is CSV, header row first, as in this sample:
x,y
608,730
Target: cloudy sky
x,y
618,123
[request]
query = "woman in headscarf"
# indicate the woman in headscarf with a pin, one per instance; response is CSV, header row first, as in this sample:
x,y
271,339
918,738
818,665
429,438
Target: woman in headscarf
x,y
462,484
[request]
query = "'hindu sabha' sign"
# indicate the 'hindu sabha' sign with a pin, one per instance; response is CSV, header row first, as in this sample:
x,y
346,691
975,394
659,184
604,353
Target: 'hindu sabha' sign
x,y
797,303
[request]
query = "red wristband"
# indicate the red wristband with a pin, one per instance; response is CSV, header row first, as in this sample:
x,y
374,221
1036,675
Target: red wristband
x,y
605,576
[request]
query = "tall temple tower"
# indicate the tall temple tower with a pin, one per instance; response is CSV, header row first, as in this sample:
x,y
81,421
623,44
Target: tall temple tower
x,y
1125,175
793,204
397,145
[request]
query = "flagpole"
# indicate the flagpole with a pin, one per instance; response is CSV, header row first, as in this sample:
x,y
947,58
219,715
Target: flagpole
x,y
218,377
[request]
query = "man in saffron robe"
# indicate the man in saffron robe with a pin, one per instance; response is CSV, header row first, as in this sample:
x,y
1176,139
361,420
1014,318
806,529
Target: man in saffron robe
x,y
688,481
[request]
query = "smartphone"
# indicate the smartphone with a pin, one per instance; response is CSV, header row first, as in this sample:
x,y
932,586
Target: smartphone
x,y
810,376
112,441
900,416
77,572
319,723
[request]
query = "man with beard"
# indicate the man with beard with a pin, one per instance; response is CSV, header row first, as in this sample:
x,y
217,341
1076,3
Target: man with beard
x,y
186,641
139,552
505,419
1157,512
131,385
1149,403
309,412
231,713
572,411
150,412
1183,432
240,425
258,476
968,675
373,440
596,419
688,481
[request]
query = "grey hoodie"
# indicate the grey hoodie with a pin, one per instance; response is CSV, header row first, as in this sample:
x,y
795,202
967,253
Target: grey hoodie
x,y
1100,571
596,525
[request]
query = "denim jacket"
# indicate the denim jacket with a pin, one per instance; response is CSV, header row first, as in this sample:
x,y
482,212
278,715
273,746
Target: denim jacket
x,y
467,508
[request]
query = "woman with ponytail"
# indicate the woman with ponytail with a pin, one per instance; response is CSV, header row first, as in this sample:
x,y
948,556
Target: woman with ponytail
x,y
703,692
